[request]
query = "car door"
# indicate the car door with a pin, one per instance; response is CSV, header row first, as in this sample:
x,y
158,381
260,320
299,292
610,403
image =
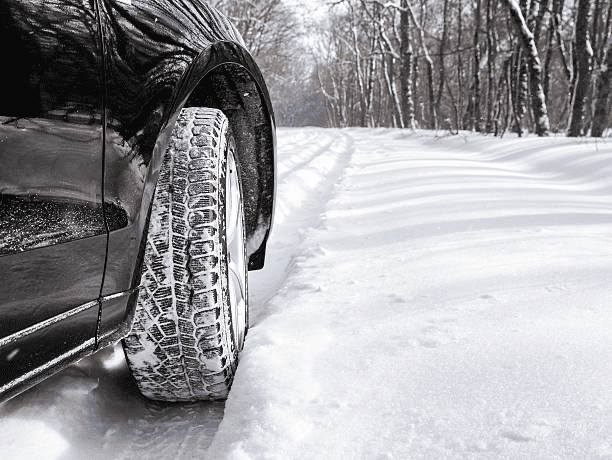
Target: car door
x,y
53,233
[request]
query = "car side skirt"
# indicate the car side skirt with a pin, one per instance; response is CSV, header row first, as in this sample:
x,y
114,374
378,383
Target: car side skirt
x,y
122,302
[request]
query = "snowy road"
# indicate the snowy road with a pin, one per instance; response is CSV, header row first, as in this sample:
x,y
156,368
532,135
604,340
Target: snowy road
x,y
424,298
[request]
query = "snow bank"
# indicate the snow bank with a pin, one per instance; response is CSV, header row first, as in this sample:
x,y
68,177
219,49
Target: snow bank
x,y
451,301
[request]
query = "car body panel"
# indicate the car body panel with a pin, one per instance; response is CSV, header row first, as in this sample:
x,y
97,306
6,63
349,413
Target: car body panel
x,y
43,283
29,352
52,219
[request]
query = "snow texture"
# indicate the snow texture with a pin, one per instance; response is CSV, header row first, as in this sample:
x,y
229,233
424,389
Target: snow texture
x,y
424,297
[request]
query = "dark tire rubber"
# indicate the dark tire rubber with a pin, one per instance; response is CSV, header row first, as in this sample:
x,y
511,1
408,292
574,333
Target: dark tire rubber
x,y
185,340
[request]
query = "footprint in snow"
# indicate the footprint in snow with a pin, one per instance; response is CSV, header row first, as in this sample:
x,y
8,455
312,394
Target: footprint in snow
x,y
530,433
309,287
394,298
555,288
433,337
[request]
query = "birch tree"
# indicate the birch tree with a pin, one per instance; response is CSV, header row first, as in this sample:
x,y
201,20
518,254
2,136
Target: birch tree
x,y
535,69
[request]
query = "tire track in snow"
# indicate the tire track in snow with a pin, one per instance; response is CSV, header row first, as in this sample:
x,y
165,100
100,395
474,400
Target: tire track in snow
x,y
302,152
310,167
310,163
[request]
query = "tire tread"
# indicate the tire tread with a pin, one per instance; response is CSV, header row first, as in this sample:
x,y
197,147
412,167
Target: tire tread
x,y
181,346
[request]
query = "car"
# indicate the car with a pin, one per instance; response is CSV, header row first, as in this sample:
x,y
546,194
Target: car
x,y
137,188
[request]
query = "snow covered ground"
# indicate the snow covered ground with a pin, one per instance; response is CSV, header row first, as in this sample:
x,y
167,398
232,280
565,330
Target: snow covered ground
x,y
424,297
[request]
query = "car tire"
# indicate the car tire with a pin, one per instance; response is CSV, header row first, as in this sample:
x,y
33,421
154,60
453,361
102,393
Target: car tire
x,y
192,312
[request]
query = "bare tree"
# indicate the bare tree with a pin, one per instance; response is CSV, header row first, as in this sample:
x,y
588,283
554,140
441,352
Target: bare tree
x,y
473,115
406,67
491,53
535,69
433,118
441,51
584,58
460,79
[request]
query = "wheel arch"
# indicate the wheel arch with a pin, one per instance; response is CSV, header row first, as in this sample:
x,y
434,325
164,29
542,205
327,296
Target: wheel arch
x,y
233,84
218,77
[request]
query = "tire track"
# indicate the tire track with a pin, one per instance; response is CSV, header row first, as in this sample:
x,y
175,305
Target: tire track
x,y
302,149
304,189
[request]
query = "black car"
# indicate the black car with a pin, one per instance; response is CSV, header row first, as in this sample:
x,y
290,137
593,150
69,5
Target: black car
x,y
137,181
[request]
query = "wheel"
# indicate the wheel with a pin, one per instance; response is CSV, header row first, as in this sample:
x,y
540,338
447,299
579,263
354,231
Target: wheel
x,y
191,316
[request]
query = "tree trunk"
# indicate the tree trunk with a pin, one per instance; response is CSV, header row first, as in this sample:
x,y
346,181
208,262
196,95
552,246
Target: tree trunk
x,y
433,120
371,74
539,8
454,106
568,69
515,83
535,69
601,111
522,96
606,32
490,67
501,125
550,37
556,16
537,29
329,100
520,79
361,96
511,103
460,92
475,116
595,33
407,103
584,57
600,117
442,50
388,72
415,91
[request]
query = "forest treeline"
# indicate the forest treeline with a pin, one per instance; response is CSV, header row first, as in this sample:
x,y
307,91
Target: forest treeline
x,y
486,65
